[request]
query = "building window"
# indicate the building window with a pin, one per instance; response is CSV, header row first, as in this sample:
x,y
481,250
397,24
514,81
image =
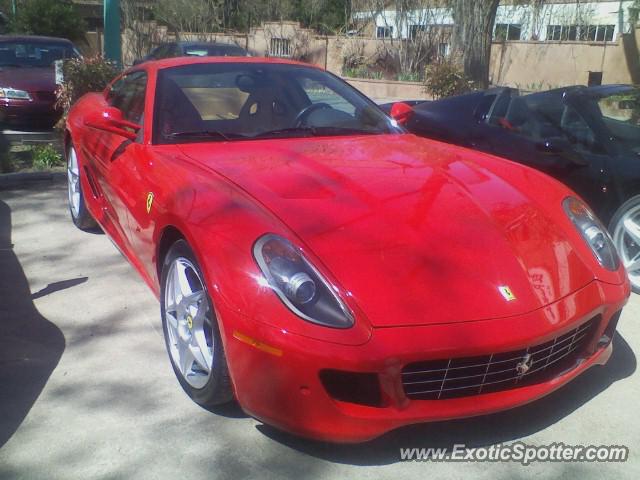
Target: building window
x,y
570,33
507,31
562,33
605,33
384,32
595,78
280,47
416,31
443,50
597,33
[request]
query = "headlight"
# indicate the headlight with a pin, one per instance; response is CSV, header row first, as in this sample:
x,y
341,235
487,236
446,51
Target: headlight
x,y
14,94
298,284
593,233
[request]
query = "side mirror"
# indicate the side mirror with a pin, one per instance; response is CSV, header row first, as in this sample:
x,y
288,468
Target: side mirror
x,y
561,147
110,120
401,112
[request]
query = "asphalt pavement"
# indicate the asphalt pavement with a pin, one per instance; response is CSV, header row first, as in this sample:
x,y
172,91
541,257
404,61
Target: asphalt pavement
x,y
87,392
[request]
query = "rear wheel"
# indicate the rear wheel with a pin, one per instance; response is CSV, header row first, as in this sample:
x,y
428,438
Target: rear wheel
x,y
77,207
625,228
191,332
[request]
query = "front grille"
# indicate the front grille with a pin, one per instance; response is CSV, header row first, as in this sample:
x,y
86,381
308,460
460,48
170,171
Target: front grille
x,y
461,377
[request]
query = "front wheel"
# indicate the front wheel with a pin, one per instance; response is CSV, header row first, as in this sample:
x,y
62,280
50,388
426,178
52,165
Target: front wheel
x,y
77,207
625,229
191,332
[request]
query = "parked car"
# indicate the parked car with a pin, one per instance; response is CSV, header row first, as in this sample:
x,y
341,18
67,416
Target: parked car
x,y
27,79
193,49
336,275
586,137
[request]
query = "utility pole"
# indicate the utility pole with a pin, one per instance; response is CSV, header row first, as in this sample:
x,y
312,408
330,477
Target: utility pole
x,y
112,38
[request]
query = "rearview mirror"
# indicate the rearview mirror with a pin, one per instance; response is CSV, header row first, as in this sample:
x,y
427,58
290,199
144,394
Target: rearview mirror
x,y
562,147
401,112
111,120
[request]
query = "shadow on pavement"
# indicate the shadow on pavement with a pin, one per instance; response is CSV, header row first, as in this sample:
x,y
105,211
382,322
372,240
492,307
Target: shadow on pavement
x,y
30,345
486,430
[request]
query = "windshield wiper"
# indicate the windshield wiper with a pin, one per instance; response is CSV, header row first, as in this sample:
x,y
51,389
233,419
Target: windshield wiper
x,y
203,134
12,65
314,132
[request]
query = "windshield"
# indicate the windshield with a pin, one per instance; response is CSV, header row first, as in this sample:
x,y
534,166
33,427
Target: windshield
x,y
205,50
245,101
621,114
34,54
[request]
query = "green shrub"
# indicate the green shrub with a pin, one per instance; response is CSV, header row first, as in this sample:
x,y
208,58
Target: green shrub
x,y
409,77
46,157
54,18
445,79
363,72
81,76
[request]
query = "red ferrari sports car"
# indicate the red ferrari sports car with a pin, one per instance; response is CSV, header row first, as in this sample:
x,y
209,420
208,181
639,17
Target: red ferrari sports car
x,y
337,276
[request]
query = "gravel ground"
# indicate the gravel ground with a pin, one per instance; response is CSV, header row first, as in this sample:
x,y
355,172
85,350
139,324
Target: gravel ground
x,y
86,390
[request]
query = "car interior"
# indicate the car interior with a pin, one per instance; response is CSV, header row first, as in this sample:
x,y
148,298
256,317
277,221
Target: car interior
x,y
247,104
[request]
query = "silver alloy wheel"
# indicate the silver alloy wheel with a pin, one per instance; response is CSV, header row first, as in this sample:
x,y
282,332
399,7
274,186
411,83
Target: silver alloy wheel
x,y
73,180
626,236
188,322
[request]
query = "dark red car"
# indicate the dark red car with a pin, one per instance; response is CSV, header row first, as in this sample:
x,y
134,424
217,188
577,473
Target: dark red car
x,y
27,79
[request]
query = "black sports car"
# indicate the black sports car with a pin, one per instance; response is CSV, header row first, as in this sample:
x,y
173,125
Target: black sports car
x,y
586,137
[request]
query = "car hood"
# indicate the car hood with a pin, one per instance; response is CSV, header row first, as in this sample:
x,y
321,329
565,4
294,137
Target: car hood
x,y
416,232
31,79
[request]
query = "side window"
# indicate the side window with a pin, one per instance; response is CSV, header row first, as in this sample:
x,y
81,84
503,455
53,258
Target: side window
x,y
499,110
161,52
173,51
319,93
578,131
128,95
484,106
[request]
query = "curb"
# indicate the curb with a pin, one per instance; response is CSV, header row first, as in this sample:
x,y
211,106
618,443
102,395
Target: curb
x,y
12,180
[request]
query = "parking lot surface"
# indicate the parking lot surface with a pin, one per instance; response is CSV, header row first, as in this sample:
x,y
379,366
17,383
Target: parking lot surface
x,y
87,392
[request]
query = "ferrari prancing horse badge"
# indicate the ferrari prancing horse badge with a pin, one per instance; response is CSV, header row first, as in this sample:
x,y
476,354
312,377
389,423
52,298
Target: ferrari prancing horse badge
x,y
149,201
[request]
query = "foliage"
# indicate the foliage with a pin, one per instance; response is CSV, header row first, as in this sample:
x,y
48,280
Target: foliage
x,y
55,18
46,157
445,79
325,16
634,13
409,53
409,77
362,72
84,75
203,16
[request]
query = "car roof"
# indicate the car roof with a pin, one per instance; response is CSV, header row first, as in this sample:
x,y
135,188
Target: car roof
x,y
208,44
182,61
33,38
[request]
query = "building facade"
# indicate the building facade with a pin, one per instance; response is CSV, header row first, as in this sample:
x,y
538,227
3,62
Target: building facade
x,y
595,21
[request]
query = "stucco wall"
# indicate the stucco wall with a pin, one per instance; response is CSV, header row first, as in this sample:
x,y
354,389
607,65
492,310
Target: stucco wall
x,y
541,65
388,91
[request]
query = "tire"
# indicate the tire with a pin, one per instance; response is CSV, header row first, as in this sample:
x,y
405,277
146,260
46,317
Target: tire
x,y
191,332
77,206
625,230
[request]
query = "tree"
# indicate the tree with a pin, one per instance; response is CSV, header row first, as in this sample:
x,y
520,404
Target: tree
x,y
473,35
414,32
202,16
55,18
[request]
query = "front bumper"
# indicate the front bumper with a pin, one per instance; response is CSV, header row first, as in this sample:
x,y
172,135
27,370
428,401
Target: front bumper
x,y
29,113
277,376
